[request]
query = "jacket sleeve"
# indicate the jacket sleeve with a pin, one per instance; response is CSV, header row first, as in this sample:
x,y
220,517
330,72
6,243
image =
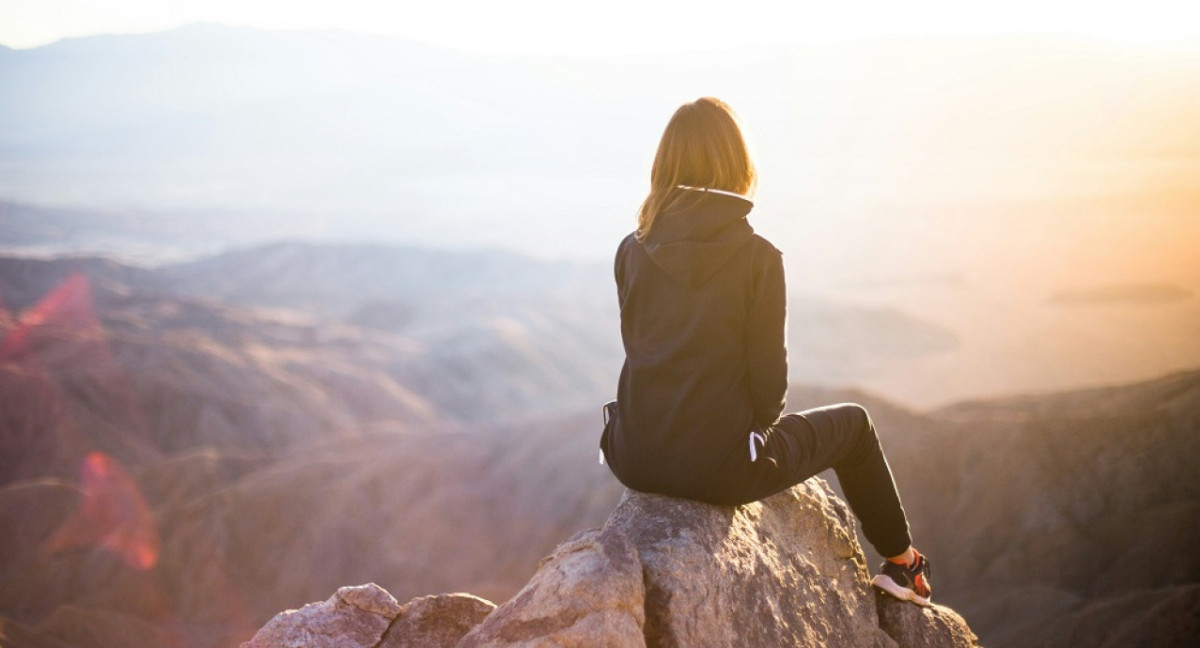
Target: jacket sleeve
x,y
766,346
619,262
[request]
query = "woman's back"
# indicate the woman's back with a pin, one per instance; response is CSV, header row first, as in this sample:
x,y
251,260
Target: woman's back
x,y
702,319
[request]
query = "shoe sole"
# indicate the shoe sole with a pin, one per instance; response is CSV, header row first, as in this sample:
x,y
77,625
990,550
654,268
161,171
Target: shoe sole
x,y
885,583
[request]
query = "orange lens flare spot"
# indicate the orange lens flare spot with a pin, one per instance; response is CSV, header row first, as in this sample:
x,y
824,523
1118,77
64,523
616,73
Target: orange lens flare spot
x,y
112,515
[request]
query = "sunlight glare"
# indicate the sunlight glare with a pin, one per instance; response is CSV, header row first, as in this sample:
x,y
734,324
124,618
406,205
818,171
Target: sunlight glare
x,y
615,29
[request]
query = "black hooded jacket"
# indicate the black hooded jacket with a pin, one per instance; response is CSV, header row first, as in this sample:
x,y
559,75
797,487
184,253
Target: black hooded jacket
x,y
703,311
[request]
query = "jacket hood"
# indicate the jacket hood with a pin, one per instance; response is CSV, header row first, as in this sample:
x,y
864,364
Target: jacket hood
x,y
695,240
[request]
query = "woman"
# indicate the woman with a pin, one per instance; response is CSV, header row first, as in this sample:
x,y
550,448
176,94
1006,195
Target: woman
x,y
703,308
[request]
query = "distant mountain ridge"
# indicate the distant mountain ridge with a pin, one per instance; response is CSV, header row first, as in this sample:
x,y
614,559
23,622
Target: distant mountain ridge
x,y
1025,169
205,117
319,126
333,281
497,309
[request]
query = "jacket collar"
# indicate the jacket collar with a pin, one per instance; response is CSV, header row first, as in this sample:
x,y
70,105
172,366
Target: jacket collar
x,y
701,233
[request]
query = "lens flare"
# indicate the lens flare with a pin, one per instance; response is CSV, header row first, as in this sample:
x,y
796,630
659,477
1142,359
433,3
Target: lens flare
x,y
59,343
112,515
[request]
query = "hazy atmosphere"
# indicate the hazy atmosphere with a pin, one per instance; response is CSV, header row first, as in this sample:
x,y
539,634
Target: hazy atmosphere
x,y
230,231
970,182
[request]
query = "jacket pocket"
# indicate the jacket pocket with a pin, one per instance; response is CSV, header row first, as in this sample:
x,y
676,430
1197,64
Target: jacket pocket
x,y
609,412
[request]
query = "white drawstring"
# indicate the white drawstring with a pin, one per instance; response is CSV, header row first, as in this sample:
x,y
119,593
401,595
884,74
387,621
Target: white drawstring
x,y
754,451
711,190
607,417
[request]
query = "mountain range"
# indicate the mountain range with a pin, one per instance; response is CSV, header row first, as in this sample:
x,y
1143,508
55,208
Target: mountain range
x,y
186,455
1025,205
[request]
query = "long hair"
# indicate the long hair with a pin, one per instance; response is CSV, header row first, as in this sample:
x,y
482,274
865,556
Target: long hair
x,y
702,147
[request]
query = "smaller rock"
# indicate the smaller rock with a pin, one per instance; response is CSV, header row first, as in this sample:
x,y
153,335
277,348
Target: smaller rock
x,y
438,621
588,593
354,617
913,626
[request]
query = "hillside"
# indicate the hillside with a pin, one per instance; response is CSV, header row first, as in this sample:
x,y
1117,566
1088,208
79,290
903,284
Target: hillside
x,y
176,470
1059,519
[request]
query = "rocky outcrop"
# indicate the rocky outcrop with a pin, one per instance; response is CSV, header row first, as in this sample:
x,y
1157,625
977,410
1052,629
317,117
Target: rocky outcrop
x,y
782,572
667,573
368,616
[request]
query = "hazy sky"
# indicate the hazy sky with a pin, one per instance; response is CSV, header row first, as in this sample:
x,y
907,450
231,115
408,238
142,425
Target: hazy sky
x,y
611,27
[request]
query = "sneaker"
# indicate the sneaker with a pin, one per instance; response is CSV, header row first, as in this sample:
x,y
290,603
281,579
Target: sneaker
x,y
906,583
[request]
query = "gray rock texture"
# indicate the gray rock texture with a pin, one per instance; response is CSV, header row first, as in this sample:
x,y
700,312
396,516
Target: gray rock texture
x,y
786,571
662,573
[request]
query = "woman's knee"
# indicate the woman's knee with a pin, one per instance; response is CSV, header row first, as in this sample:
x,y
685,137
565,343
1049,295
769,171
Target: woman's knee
x,y
857,417
861,427
849,423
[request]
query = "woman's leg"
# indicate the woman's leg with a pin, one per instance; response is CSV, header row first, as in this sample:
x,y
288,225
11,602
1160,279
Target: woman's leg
x,y
842,437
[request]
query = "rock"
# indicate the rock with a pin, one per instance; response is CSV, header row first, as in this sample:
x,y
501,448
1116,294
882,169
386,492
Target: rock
x,y
354,617
367,616
587,593
912,626
786,571
662,573
438,621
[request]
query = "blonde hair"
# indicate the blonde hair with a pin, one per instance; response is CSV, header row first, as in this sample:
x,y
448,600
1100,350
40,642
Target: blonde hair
x,y
702,147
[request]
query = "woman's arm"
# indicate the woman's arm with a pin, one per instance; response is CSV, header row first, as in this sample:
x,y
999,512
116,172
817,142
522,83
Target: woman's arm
x,y
766,346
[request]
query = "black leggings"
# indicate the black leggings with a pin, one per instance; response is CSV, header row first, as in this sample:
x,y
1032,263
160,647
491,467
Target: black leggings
x,y
803,444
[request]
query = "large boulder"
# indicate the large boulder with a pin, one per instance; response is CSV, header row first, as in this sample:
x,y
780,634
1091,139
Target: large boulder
x,y
786,571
